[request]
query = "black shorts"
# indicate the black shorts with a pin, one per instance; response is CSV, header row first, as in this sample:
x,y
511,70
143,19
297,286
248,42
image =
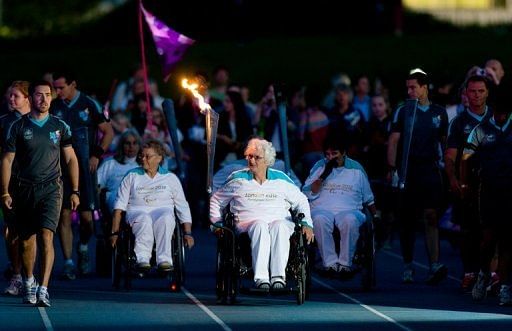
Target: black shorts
x,y
494,206
37,207
424,187
88,186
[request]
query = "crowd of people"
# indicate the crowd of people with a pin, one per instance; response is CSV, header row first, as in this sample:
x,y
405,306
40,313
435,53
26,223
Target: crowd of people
x,y
443,151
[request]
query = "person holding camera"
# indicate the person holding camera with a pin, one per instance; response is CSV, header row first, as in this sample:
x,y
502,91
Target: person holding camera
x,y
337,189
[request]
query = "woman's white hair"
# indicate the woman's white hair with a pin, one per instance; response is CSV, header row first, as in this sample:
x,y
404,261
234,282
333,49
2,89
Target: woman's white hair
x,y
269,152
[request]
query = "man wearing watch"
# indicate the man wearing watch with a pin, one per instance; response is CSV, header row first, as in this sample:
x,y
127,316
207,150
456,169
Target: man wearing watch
x,y
37,141
87,120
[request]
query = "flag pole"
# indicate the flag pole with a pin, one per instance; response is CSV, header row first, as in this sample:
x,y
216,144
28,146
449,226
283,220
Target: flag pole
x,y
144,68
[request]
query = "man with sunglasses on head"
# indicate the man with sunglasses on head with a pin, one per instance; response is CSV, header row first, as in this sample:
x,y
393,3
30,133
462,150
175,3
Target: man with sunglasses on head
x,y
338,189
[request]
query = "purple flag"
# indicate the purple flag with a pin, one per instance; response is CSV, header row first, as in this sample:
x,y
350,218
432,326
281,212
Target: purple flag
x,y
170,45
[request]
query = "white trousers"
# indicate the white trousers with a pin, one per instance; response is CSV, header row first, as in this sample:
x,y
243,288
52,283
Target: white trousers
x,y
270,246
348,223
150,226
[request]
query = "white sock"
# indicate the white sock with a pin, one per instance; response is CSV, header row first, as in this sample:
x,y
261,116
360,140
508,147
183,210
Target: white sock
x,y
16,276
69,262
43,289
83,248
30,280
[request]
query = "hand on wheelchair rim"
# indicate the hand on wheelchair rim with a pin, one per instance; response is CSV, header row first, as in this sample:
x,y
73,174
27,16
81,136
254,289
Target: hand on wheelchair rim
x,y
188,240
308,232
113,240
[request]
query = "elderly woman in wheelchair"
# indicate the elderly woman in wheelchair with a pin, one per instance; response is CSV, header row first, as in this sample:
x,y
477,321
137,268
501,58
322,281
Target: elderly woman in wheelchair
x,y
338,189
260,198
151,196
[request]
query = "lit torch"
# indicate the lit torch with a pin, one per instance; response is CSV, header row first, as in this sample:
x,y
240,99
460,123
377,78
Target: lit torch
x,y
212,122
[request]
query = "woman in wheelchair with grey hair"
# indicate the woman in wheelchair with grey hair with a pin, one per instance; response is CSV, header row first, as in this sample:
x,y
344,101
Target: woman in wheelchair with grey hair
x,y
260,198
151,195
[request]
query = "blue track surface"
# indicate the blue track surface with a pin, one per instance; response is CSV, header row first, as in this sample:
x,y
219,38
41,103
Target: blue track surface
x,y
91,303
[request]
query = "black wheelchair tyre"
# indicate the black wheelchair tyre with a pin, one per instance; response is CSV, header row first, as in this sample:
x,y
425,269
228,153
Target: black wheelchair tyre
x,y
177,275
368,279
227,269
302,282
103,257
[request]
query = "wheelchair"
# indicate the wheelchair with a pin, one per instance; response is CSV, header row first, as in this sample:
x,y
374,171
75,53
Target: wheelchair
x,y
124,260
234,262
363,261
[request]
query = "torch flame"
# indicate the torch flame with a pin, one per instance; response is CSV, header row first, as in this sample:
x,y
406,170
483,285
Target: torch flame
x,y
203,105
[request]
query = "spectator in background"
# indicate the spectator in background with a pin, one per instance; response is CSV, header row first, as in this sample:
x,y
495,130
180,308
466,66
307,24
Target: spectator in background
x,y
267,119
347,122
220,83
340,78
126,90
313,129
87,120
137,111
379,129
120,123
362,99
233,130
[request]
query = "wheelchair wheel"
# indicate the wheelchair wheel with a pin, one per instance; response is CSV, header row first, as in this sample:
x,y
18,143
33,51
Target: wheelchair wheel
x,y
177,276
122,261
103,257
226,276
368,278
302,275
116,268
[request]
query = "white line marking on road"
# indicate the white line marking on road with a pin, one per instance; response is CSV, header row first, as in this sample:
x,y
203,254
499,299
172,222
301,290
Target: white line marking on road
x,y
370,309
46,320
420,265
206,310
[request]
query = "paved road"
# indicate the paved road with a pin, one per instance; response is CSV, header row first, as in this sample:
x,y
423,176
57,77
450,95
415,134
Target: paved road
x,y
91,303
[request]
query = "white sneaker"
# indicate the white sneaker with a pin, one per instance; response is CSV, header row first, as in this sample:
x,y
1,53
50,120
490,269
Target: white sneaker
x,y
43,299
479,291
30,293
15,286
505,297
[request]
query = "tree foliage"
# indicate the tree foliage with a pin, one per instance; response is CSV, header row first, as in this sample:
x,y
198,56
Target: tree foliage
x,y
47,16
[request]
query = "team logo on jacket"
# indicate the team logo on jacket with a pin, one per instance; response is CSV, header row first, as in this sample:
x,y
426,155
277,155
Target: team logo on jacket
x,y
55,136
28,134
491,137
84,114
436,121
467,129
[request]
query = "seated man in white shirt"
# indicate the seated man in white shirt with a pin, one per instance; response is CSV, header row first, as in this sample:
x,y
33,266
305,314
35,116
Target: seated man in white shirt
x,y
337,189
261,198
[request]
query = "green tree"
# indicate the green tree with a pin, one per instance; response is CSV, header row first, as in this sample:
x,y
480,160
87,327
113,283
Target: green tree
x,y
47,16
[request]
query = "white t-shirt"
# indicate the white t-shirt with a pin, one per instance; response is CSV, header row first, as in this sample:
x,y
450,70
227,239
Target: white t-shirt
x,y
138,191
344,189
110,175
269,201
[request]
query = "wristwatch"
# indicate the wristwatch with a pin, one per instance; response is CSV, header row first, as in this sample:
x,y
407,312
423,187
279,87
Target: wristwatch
x,y
77,193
